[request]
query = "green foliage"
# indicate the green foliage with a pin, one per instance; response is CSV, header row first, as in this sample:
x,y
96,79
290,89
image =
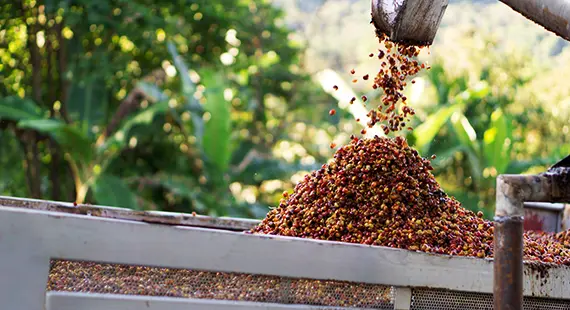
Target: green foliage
x,y
219,107
15,108
68,137
12,180
97,97
217,129
468,144
270,169
119,140
187,89
109,190
180,186
425,133
496,141
477,129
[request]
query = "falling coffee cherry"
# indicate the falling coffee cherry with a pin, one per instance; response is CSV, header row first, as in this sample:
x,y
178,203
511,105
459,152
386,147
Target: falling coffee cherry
x,y
332,112
380,54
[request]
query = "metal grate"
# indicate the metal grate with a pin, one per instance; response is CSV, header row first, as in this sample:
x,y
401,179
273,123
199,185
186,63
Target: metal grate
x,y
92,277
533,303
430,299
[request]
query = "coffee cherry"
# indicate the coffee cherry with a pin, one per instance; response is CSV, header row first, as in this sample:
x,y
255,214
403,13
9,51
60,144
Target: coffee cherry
x,y
379,186
391,77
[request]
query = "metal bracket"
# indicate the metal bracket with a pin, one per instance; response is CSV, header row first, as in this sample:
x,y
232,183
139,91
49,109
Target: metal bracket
x,y
402,298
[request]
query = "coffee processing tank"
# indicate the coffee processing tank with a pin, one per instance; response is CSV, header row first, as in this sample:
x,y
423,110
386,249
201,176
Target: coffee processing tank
x,y
57,256
416,22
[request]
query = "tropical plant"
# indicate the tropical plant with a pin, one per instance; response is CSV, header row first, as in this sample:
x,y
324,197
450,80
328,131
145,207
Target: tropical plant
x,y
207,189
215,145
472,135
87,95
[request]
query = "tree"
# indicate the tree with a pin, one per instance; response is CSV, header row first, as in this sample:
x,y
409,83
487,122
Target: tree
x,y
92,96
479,125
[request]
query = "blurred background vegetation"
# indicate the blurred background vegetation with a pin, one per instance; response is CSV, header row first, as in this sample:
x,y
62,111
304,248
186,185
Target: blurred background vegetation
x,y
218,106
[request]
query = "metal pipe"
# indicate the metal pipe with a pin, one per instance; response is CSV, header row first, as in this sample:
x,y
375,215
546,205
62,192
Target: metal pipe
x,y
408,21
508,245
508,263
417,21
553,15
512,192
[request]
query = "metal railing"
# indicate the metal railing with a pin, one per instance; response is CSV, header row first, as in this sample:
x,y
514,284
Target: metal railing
x,y
32,235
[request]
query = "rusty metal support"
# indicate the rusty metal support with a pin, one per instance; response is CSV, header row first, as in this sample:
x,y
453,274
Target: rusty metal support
x,y
512,192
508,263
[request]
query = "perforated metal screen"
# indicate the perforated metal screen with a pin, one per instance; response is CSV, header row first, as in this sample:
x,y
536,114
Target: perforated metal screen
x,y
140,280
152,281
430,299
